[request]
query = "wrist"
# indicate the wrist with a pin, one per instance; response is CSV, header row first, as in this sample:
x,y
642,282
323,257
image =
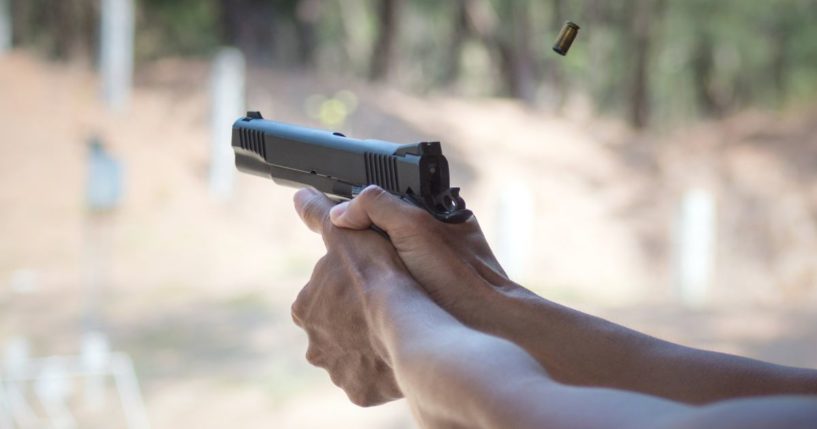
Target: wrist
x,y
389,300
545,329
496,308
520,316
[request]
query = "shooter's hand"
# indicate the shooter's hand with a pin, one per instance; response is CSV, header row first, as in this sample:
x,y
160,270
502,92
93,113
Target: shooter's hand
x,y
336,306
453,262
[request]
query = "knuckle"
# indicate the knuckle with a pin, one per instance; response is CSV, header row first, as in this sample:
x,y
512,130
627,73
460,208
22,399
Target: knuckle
x,y
321,268
309,207
335,378
419,217
330,232
321,264
297,311
372,194
364,399
298,308
312,210
417,221
358,399
296,317
313,356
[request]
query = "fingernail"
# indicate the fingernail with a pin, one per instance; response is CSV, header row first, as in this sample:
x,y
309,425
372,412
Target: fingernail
x,y
337,211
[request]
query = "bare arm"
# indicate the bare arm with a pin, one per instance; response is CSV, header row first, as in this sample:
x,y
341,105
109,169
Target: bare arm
x,y
455,376
455,266
586,350
381,336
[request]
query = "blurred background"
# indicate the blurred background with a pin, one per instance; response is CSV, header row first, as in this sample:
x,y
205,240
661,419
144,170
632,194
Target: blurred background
x,y
663,175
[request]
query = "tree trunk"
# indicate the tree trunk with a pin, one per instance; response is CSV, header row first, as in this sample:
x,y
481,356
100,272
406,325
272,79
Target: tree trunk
x,y
249,25
459,35
521,80
702,65
641,35
781,33
511,53
555,77
75,24
383,53
307,15
19,10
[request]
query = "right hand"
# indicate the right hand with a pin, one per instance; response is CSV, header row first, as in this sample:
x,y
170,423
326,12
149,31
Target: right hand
x,y
453,262
337,307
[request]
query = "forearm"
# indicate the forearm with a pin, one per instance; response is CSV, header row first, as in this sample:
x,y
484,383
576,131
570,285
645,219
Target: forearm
x,y
452,375
580,349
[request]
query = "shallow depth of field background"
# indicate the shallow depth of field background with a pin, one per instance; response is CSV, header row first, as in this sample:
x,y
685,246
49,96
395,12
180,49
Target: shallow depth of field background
x,y
675,136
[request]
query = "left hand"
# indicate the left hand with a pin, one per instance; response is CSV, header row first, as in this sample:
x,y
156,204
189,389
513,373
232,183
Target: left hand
x,y
335,308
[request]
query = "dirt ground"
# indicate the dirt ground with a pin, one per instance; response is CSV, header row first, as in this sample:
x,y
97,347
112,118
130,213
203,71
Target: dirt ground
x,y
197,291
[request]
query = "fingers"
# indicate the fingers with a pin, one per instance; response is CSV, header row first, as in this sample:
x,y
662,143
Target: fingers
x,y
313,208
376,206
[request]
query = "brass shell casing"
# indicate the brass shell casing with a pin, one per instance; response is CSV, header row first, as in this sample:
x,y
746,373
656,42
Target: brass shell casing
x,y
566,37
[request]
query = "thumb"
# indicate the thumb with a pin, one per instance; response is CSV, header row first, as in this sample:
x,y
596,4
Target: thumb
x,y
375,206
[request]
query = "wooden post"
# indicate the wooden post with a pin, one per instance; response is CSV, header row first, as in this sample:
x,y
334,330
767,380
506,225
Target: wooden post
x,y
515,223
95,356
15,366
5,27
695,238
227,92
116,52
53,387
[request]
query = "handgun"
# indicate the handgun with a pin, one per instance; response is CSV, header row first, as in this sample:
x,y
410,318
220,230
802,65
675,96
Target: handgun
x,y
341,167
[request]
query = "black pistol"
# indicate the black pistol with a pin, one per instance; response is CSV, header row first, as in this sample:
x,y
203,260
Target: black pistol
x,y
342,167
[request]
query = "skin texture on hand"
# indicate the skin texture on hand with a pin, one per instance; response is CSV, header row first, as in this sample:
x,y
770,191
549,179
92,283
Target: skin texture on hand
x,y
332,307
452,262
364,313
456,267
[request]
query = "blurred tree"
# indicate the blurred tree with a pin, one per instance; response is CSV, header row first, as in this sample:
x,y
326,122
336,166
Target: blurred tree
x,y
21,11
63,29
384,50
555,75
782,28
650,61
509,46
249,25
273,31
642,13
307,18
516,54
76,22
459,34
703,62
472,18
180,27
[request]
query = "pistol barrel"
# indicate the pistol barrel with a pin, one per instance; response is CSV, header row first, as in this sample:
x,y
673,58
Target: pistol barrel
x,y
341,166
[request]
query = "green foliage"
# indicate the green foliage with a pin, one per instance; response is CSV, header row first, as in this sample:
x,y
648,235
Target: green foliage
x,y
177,27
706,58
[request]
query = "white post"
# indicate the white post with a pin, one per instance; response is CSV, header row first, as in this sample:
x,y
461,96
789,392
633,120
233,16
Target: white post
x,y
5,408
696,246
5,27
95,357
15,366
227,92
515,222
128,385
116,52
53,388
